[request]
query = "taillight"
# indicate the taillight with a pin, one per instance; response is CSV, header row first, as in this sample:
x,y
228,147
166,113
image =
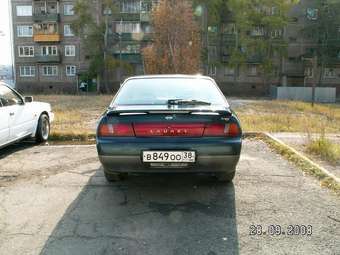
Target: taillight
x,y
233,130
229,130
122,130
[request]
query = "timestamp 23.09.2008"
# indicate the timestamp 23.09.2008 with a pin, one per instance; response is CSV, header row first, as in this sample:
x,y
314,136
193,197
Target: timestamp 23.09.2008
x,y
279,230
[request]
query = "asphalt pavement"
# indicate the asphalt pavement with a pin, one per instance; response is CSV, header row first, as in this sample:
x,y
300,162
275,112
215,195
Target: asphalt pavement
x,y
55,200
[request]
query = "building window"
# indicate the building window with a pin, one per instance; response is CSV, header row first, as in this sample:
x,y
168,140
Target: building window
x,y
312,13
49,51
27,71
309,72
329,73
50,70
24,10
212,52
212,70
130,6
147,29
68,9
252,70
229,71
257,31
146,7
26,51
277,33
70,50
67,30
229,29
25,31
71,70
274,11
127,27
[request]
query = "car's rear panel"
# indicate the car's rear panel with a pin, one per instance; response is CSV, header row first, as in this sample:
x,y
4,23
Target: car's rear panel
x,y
154,128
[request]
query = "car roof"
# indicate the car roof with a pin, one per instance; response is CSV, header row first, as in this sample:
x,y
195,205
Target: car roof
x,y
169,76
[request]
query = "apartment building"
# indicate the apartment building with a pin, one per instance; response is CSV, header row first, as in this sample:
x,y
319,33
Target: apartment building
x,y
47,54
48,57
296,69
132,30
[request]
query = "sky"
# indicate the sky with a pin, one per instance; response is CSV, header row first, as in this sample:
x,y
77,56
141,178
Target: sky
x,y
5,36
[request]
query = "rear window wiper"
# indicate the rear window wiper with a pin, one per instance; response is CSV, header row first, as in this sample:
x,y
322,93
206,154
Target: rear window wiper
x,y
187,102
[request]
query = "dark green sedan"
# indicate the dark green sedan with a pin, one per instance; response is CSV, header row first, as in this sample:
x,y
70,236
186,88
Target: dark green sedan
x,y
169,123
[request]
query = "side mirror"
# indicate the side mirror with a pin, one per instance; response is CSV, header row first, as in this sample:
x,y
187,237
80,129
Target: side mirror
x,y
28,99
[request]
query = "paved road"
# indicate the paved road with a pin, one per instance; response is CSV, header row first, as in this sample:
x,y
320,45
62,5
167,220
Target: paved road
x,y
55,200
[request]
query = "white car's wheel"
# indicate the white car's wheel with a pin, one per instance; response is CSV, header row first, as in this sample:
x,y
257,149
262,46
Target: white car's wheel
x,y
43,130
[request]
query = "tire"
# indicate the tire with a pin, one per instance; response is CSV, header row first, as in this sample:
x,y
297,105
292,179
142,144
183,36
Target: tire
x,y
225,176
43,129
115,177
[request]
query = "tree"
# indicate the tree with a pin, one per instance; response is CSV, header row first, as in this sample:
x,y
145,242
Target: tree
x,y
259,26
94,31
213,16
323,30
175,46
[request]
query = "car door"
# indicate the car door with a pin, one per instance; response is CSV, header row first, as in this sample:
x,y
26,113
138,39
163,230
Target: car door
x,y
20,118
4,125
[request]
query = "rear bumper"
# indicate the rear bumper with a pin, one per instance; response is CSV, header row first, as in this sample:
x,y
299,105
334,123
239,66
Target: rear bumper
x,y
204,164
213,154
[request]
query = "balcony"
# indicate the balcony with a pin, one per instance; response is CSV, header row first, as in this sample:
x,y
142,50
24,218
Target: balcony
x,y
296,70
147,37
127,17
48,59
43,17
229,39
145,17
46,10
132,58
46,37
255,59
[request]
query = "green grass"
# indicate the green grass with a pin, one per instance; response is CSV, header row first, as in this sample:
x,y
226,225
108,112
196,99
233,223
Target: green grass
x,y
325,149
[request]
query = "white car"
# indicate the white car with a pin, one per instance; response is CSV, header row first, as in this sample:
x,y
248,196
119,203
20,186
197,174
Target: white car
x,y
21,118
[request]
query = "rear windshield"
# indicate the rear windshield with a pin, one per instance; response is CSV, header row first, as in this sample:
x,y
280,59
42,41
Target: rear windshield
x,y
158,91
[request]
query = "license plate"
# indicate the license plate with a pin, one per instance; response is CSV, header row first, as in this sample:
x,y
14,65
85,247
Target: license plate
x,y
169,156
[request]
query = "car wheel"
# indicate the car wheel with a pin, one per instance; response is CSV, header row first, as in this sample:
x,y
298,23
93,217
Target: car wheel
x,y
43,129
115,177
225,176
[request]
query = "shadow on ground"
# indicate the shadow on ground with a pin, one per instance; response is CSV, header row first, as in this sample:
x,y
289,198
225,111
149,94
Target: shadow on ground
x,y
148,214
16,147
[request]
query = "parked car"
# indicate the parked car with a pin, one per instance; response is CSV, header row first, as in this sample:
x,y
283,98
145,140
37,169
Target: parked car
x,y
21,118
169,123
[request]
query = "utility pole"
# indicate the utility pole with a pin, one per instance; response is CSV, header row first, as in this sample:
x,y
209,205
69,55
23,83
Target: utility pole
x,y
120,50
315,65
107,13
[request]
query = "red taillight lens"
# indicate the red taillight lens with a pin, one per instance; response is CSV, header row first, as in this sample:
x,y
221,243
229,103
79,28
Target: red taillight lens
x,y
234,130
122,130
229,130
